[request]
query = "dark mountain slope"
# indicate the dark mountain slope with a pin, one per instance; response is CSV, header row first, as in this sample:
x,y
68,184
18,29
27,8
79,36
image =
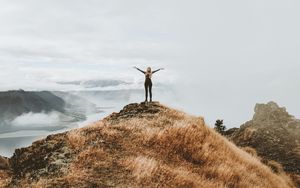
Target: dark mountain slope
x,y
16,103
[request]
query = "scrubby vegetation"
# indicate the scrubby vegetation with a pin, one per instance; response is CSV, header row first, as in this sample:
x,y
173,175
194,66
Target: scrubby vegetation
x,y
147,146
220,127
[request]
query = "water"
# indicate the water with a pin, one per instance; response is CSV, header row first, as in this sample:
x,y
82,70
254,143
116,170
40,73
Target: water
x,y
8,145
106,102
23,138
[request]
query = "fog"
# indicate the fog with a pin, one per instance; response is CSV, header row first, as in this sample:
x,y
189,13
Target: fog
x,y
221,57
36,119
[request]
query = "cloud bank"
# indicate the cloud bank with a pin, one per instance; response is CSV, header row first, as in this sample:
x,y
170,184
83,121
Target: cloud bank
x,y
221,56
37,120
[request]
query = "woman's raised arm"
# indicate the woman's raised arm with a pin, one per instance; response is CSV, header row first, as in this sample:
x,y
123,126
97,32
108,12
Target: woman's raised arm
x,y
157,70
140,70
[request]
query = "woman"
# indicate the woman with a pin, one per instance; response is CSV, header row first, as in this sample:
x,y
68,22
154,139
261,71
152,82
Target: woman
x,y
148,82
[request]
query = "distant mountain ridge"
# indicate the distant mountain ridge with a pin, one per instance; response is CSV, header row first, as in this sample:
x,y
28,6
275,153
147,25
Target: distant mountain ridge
x,y
18,102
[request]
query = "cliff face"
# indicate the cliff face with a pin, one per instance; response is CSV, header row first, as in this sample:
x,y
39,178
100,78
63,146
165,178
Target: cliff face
x,y
274,134
142,145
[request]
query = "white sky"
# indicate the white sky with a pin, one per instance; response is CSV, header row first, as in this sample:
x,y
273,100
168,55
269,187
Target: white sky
x,y
222,56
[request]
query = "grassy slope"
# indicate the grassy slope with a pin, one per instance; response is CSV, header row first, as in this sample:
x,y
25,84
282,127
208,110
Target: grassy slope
x,y
154,148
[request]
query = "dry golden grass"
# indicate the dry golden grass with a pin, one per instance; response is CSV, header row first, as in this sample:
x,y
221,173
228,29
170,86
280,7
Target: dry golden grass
x,y
295,178
76,139
250,150
275,167
175,150
4,178
169,149
213,157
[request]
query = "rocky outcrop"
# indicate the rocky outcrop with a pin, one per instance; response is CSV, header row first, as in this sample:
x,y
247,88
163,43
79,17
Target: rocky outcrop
x,y
274,133
44,158
4,165
137,110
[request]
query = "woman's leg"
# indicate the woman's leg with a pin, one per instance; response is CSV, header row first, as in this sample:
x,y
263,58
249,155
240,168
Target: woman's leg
x,y
146,91
150,91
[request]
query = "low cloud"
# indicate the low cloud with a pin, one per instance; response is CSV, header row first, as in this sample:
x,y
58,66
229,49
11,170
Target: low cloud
x,y
37,120
220,63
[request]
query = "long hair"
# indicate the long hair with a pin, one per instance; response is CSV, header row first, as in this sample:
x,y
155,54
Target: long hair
x,y
149,72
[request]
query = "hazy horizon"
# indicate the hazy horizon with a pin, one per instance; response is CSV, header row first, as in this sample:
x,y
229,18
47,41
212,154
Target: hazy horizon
x,y
221,57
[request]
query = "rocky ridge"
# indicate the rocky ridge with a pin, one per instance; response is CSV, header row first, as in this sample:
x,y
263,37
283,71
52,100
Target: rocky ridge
x,y
274,134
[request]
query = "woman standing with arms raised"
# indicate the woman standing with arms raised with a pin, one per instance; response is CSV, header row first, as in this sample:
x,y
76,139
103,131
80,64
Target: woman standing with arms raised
x,y
148,82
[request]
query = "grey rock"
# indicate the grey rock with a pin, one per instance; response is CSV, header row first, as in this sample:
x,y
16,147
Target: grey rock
x,y
274,133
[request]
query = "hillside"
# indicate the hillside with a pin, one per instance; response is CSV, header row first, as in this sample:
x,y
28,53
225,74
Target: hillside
x,y
274,134
141,146
16,103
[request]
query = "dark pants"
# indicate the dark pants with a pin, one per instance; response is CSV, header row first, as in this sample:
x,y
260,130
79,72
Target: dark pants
x,y
148,87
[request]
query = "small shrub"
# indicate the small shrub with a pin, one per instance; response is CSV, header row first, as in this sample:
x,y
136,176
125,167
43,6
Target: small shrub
x,y
219,126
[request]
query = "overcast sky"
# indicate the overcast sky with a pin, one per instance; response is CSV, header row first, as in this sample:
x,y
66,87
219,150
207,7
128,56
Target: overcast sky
x,y
221,56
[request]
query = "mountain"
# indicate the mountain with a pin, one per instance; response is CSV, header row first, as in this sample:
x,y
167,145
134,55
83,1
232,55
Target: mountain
x,y
16,103
95,83
144,145
274,134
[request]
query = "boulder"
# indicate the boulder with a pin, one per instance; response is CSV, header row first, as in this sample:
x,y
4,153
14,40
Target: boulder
x,y
4,165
